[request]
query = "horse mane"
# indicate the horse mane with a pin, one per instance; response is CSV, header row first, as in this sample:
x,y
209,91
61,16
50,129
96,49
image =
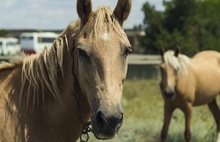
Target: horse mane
x,y
40,71
179,63
12,63
7,65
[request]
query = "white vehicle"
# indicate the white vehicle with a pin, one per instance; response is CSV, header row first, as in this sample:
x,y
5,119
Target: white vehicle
x,y
32,43
9,46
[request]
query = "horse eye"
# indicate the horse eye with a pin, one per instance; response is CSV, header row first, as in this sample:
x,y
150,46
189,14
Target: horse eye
x,y
127,51
82,53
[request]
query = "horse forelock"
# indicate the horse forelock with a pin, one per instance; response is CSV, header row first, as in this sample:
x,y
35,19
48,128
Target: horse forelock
x,y
179,63
103,17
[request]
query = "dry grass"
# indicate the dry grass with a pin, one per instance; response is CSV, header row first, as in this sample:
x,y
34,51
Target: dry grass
x,y
143,110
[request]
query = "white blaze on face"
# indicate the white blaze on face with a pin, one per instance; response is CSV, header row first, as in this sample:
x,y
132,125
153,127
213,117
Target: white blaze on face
x,y
105,36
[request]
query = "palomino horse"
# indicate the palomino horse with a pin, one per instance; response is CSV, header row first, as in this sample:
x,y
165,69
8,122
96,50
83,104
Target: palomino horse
x,y
49,96
189,82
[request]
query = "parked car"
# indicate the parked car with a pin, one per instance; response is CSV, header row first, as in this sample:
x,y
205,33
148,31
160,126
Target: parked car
x,y
9,46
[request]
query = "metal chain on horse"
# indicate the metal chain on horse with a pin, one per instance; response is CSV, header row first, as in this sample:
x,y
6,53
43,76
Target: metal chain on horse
x,y
84,137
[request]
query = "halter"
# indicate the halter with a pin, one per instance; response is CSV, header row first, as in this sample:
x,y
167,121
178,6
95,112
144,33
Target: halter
x,y
84,136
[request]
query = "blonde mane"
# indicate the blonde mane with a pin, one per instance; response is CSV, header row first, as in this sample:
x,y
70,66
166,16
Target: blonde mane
x,y
179,63
40,71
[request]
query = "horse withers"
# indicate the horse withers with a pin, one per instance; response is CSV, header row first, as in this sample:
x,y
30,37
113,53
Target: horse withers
x,y
188,82
49,96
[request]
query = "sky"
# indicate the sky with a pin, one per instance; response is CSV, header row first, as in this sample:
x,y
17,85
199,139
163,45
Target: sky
x,y
57,14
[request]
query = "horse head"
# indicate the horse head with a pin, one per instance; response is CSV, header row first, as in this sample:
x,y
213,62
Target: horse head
x,y
101,50
169,68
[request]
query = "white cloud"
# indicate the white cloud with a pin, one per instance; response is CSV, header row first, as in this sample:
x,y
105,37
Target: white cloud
x,y
7,3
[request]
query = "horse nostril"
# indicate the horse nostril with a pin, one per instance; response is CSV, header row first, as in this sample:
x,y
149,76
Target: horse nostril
x,y
120,118
112,121
100,118
116,121
169,94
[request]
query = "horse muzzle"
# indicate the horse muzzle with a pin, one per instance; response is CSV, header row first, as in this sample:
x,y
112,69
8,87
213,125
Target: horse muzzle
x,y
105,127
170,95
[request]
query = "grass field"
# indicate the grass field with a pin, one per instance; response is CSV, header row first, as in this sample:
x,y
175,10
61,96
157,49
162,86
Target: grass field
x,y
143,117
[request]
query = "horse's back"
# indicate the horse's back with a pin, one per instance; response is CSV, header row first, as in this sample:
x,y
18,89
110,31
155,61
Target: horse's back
x,y
207,56
206,66
207,60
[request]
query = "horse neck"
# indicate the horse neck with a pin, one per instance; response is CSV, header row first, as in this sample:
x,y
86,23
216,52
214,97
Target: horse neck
x,y
65,74
71,80
46,77
186,81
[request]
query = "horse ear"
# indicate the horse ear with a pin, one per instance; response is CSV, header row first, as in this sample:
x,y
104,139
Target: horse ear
x,y
161,51
122,10
177,51
84,9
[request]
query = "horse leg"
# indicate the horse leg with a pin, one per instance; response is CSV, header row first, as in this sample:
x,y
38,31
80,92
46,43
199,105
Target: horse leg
x,y
168,111
188,115
213,107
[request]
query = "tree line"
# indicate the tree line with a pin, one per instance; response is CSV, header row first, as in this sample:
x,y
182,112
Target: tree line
x,y
194,25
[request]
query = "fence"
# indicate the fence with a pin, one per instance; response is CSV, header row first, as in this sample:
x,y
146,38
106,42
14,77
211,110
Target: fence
x,y
143,66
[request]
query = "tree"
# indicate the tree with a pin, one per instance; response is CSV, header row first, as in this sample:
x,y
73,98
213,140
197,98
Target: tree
x,y
207,25
3,33
194,25
152,27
